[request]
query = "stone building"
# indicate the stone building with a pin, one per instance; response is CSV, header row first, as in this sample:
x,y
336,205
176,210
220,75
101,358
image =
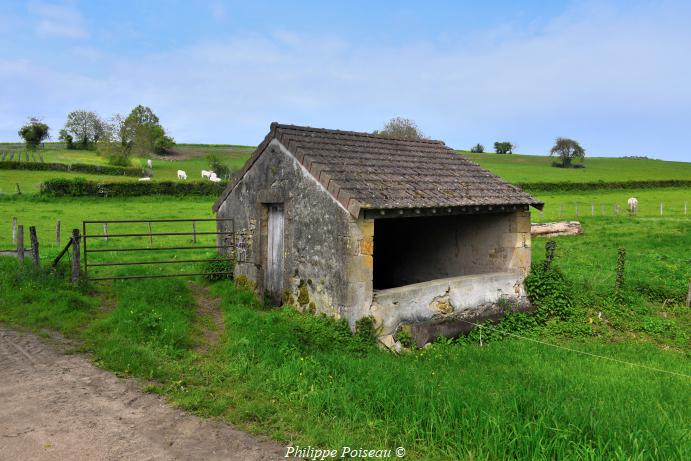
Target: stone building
x,y
352,224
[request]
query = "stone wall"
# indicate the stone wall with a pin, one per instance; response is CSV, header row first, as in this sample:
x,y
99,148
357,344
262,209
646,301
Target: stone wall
x,y
316,227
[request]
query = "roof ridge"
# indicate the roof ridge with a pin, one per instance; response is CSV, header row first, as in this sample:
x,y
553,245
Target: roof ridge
x,y
356,133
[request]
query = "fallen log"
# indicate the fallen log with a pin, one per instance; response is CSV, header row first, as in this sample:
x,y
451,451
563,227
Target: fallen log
x,y
555,229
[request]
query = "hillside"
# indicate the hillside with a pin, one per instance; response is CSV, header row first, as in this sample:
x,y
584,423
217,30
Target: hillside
x,y
533,168
192,159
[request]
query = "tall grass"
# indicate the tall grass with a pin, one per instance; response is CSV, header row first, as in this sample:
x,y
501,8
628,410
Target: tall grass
x,y
306,380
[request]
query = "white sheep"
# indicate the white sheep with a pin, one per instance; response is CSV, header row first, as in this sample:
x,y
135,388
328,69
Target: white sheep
x,y
144,179
214,178
149,163
182,174
633,204
207,174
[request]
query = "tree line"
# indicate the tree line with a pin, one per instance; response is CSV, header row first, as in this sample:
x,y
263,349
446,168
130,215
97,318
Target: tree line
x,y
116,138
567,150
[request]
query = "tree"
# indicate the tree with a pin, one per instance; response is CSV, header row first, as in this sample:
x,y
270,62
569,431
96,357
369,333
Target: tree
x,y
34,132
477,149
218,167
504,147
85,127
403,128
567,150
110,144
142,133
66,138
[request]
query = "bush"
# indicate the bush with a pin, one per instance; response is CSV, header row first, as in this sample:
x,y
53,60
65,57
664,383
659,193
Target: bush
x,y
80,187
366,330
601,185
119,159
504,147
218,167
550,292
213,269
477,149
74,167
34,132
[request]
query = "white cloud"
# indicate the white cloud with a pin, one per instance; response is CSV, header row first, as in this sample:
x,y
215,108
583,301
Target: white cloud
x,y
615,80
58,21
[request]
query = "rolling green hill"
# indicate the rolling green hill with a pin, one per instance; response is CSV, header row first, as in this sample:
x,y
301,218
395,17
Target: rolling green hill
x,y
514,168
533,168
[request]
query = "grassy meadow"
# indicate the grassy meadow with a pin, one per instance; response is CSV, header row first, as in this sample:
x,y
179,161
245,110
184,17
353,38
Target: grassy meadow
x,y
186,157
306,380
534,168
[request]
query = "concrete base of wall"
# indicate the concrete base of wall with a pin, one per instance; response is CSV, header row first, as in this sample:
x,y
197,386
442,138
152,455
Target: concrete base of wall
x,y
455,298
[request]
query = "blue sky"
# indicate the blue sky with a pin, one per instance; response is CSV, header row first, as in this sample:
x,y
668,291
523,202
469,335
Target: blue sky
x,y
614,75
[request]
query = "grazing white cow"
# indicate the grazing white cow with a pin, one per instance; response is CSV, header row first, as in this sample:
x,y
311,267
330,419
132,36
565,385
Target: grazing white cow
x,y
207,174
182,174
633,204
144,179
149,163
214,178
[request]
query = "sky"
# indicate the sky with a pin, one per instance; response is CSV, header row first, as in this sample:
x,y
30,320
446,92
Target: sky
x,y
616,75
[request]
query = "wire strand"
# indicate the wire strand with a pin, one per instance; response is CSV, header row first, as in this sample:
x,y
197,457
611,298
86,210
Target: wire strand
x,y
579,351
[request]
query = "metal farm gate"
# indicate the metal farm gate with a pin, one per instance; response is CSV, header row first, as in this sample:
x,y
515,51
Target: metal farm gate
x,y
97,246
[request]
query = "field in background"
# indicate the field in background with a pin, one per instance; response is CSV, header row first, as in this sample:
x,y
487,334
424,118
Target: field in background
x,y
533,168
598,203
189,158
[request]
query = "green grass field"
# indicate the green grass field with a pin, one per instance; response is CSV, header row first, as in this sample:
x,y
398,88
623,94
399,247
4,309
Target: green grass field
x,y
514,168
306,380
190,158
533,168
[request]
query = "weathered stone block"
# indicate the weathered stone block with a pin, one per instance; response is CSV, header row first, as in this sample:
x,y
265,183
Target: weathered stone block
x,y
366,227
367,246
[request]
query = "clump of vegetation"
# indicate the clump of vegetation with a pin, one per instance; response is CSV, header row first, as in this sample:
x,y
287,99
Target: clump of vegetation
x,y
477,149
504,147
34,132
404,336
567,150
217,166
402,128
219,270
245,283
303,294
366,330
288,299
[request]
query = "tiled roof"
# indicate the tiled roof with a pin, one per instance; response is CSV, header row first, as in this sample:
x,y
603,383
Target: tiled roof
x,y
366,171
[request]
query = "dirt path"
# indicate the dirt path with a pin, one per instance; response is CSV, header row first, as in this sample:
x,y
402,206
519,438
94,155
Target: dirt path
x,y
55,406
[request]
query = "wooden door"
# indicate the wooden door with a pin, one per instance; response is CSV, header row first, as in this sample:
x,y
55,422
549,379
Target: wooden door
x,y
273,277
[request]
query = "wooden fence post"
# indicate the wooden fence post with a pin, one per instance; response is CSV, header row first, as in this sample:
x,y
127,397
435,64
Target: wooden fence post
x,y
577,211
57,233
75,255
14,230
194,232
688,296
105,231
20,242
151,237
34,246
